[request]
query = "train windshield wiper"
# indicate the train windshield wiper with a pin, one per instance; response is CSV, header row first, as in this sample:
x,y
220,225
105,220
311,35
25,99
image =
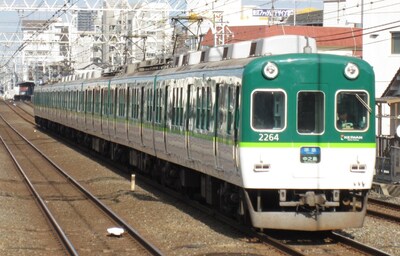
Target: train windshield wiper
x,y
363,103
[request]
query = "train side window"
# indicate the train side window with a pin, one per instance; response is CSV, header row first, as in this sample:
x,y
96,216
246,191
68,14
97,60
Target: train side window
x,y
97,101
159,106
89,101
149,105
268,110
352,111
75,96
113,101
310,112
203,108
232,104
177,106
198,107
104,102
174,100
80,104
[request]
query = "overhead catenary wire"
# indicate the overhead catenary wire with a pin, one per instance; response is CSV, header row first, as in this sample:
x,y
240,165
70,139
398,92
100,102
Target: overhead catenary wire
x,y
45,25
202,10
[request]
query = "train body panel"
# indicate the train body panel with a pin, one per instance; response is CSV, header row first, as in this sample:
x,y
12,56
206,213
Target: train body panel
x,y
287,139
339,169
307,123
23,90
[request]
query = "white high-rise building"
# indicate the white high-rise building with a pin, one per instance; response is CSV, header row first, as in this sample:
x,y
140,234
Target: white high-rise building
x,y
46,46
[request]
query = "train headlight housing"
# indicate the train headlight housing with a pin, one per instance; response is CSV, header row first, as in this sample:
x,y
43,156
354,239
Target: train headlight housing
x,y
351,71
271,70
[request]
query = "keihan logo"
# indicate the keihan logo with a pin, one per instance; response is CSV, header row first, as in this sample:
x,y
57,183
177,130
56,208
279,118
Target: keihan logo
x,y
350,138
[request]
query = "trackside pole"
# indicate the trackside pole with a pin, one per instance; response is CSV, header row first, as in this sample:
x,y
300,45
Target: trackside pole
x,y
133,182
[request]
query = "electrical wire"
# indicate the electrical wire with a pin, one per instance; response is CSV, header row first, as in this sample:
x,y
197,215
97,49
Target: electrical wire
x,y
201,10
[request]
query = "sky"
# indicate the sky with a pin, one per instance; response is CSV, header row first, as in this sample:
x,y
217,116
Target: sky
x,y
10,20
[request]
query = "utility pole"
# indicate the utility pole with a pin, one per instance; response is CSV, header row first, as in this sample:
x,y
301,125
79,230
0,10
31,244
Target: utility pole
x,y
273,12
362,14
294,13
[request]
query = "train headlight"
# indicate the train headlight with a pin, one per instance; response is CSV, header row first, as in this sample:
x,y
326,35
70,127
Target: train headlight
x,y
351,71
271,70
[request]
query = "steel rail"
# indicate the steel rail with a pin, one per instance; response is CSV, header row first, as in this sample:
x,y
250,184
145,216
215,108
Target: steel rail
x,y
359,246
383,215
19,114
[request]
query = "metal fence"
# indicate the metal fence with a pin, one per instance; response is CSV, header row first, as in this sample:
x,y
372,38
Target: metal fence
x,y
388,167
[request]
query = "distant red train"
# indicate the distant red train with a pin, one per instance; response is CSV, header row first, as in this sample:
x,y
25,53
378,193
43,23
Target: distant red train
x,y
24,90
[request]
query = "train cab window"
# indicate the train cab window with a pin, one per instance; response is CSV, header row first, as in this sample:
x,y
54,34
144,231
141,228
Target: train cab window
x,y
268,110
352,111
310,112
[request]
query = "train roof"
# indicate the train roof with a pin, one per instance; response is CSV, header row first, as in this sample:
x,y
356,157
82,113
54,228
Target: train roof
x,y
218,57
24,83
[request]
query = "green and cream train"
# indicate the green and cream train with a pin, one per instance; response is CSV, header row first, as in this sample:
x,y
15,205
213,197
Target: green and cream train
x,y
266,131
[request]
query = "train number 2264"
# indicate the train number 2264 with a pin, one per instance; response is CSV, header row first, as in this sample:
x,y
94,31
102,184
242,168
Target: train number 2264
x,y
268,137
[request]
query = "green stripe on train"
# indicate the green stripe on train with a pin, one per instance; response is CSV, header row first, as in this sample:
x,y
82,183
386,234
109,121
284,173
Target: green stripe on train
x,y
297,145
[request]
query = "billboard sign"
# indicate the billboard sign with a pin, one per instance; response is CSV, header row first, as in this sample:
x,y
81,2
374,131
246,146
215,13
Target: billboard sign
x,y
284,13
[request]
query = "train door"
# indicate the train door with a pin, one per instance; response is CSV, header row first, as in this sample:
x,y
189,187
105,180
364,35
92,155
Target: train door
x,y
165,118
226,113
188,117
201,144
141,113
85,107
97,109
121,116
70,107
310,126
64,106
76,105
90,107
106,110
61,103
134,122
159,118
113,109
147,121
80,109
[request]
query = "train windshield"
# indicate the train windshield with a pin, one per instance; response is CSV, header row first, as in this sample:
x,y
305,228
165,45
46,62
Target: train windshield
x,y
268,110
310,112
352,110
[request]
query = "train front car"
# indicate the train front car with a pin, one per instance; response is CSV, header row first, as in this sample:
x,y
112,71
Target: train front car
x,y
307,141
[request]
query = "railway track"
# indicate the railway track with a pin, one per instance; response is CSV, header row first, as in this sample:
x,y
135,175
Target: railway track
x,y
324,243
384,210
22,109
80,219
